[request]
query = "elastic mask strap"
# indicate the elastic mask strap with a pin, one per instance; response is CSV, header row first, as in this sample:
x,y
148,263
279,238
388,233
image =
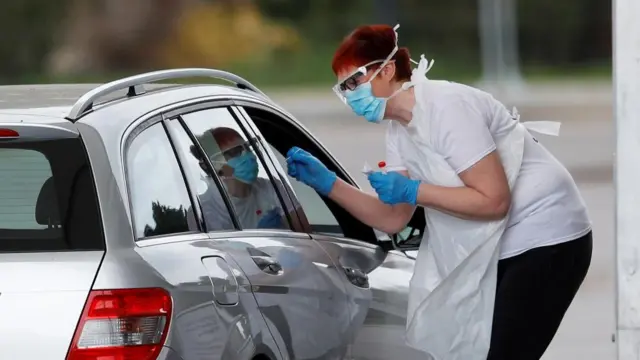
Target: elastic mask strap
x,y
384,63
393,52
405,86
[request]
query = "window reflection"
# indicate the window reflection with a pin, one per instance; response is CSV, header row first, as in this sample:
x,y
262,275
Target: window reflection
x,y
216,214
159,195
236,163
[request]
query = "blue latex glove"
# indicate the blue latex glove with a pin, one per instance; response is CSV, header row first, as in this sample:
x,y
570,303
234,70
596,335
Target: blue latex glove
x,y
305,168
271,220
394,188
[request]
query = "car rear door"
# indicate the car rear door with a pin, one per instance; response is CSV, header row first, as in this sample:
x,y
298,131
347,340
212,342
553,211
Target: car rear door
x,y
376,274
299,291
51,238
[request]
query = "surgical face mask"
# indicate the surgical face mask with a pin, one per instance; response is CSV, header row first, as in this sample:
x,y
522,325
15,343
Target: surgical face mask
x,y
364,103
245,167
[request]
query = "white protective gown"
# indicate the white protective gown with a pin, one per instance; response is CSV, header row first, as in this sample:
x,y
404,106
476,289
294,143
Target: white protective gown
x,y
452,291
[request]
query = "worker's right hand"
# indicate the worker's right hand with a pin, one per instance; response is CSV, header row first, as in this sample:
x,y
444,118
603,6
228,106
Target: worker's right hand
x,y
307,169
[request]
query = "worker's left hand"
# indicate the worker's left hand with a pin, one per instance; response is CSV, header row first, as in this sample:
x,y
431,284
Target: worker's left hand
x,y
394,188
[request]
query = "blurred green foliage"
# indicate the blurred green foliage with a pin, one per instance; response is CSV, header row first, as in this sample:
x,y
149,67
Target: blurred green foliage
x,y
27,29
555,37
551,32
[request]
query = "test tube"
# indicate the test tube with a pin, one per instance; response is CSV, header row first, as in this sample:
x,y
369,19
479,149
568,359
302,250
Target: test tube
x,y
382,166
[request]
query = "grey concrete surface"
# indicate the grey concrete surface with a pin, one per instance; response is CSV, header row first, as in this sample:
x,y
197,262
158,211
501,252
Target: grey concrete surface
x,y
549,100
585,146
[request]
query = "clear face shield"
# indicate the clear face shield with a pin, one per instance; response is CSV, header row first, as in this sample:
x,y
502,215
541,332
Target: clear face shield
x,y
220,160
352,81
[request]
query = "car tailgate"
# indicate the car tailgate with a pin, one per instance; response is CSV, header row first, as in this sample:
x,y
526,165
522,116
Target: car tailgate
x,y
41,299
51,238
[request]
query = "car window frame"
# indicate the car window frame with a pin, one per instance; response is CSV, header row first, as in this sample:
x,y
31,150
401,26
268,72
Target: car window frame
x,y
382,239
221,100
138,129
198,105
132,129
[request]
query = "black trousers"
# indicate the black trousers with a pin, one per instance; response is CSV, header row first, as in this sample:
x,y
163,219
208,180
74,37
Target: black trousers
x,y
533,293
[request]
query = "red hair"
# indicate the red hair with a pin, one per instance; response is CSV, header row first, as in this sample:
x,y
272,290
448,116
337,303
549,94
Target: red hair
x,y
369,43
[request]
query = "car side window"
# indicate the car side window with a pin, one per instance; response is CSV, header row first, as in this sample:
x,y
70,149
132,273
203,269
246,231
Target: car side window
x,y
159,196
255,200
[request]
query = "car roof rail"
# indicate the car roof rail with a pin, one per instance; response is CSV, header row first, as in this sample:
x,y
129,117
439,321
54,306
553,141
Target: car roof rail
x,y
135,87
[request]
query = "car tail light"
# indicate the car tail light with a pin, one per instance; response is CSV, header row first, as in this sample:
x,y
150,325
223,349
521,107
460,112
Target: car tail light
x,y
124,324
8,133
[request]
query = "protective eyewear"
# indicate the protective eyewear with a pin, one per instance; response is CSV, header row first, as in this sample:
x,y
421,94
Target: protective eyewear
x,y
351,81
217,164
232,152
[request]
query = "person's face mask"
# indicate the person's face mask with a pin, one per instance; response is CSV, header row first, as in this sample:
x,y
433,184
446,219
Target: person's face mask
x,y
245,167
365,104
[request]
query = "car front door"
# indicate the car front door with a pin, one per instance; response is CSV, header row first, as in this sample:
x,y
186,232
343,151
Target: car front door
x,y
297,287
376,273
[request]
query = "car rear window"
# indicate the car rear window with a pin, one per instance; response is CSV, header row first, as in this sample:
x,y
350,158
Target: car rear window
x,y
48,199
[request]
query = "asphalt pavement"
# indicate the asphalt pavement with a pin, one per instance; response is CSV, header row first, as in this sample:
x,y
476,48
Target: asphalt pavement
x,y
585,146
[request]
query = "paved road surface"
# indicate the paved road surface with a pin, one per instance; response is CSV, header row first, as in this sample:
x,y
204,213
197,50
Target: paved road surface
x,y
585,147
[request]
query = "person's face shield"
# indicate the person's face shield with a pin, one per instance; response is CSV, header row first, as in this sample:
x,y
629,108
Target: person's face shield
x,y
353,80
357,77
220,160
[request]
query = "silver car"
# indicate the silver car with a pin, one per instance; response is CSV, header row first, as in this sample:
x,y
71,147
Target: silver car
x,y
128,231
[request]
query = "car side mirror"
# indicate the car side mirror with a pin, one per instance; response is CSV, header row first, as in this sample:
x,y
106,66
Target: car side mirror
x,y
410,237
408,241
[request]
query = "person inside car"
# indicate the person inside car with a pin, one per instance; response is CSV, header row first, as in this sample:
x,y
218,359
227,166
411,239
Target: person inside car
x,y
253,198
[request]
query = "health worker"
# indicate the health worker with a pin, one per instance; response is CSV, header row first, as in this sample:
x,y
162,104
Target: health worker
x,y
508,240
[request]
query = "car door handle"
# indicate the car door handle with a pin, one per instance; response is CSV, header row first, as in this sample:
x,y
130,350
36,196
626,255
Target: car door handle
x,y
356,277
267,264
